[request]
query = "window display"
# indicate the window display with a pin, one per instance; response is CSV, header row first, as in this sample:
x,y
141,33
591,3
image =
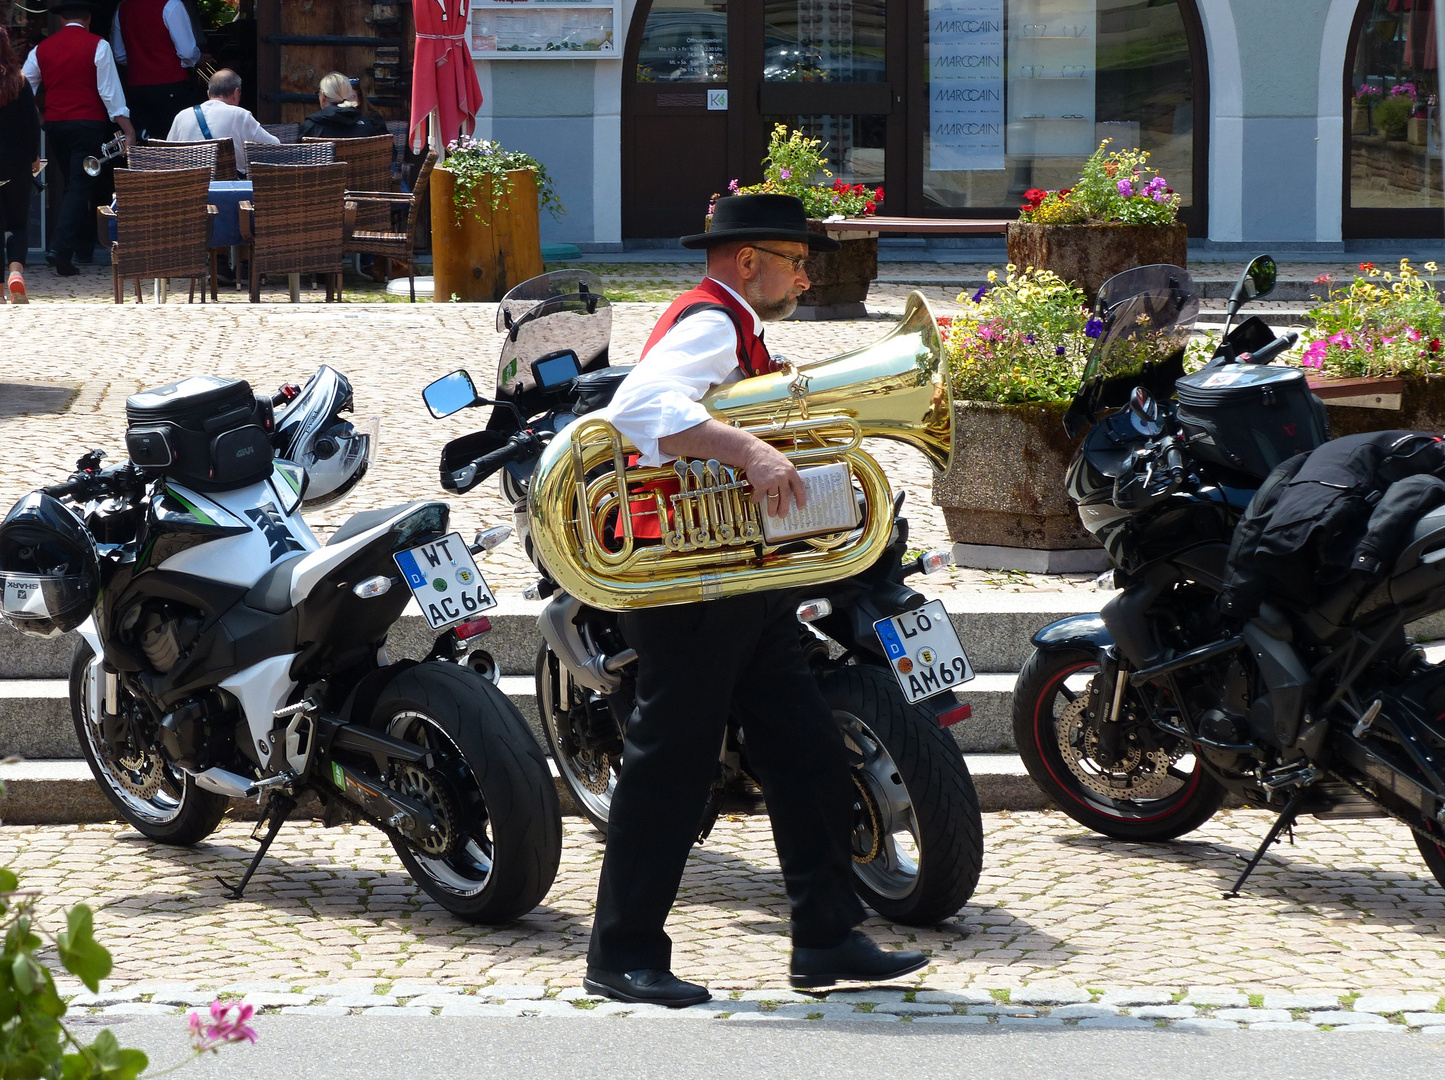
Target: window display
x,y
541,28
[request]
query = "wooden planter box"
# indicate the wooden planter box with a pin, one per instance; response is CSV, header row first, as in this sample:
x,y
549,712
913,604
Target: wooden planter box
x,y
1088,255
1383,404
477,255
839,280
1003,498
1359,119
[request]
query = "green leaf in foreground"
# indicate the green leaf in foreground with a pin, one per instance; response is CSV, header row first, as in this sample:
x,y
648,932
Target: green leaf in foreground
x,y
82,955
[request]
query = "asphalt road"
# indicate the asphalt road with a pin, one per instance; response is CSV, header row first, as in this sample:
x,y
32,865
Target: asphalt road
x,y
634,1049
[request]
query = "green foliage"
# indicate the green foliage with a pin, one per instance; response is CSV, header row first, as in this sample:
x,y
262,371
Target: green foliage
x,y
796,165
34,1042
478,163
1392,113
216,13
1116,188
1382,324
1024,339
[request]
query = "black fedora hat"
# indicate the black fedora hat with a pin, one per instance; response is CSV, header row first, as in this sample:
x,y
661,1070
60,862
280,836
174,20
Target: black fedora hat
x,y
740,218
72,7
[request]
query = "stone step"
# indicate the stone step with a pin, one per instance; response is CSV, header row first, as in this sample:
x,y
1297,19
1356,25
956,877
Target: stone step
x,y
994,626
35,721
62,792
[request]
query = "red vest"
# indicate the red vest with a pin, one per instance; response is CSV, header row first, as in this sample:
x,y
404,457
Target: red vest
x,y
67,72
150,54
753,359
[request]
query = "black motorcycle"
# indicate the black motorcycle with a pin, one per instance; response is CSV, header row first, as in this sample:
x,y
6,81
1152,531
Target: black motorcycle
x,y
917,835
1139,720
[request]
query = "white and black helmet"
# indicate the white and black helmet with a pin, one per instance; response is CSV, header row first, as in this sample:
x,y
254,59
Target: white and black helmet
x,y
49,567
335,453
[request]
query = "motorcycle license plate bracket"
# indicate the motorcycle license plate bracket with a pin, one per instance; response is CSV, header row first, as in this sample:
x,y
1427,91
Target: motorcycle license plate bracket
x,y
923,651
445,581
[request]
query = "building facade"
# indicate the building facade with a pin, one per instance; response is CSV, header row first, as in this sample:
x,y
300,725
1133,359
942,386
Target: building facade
x,y
1301,122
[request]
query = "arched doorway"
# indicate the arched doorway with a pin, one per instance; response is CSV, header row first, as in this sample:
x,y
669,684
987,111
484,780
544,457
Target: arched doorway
x,y
1392,171
956,107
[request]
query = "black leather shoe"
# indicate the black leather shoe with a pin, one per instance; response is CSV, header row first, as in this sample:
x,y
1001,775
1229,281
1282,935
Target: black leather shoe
x,y
63,266
856,959
646,986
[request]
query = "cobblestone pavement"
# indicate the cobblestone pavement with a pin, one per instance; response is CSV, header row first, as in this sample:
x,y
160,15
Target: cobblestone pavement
x,y
1346,927
389,352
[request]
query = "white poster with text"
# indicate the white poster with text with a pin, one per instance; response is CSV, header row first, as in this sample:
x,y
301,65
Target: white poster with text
x,y
966,82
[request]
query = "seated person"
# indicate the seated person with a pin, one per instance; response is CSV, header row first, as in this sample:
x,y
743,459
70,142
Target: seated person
x,y
342,115
221,117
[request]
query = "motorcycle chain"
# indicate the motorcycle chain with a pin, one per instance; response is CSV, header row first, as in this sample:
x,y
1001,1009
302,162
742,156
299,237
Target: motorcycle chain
x,y
432,791
875,824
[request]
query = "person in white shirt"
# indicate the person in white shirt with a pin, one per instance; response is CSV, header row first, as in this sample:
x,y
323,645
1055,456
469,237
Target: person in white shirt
x,y
221,117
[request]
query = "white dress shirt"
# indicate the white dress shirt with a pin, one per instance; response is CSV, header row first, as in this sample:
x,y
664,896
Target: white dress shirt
x,y
177,21
107,79
663,394
226,122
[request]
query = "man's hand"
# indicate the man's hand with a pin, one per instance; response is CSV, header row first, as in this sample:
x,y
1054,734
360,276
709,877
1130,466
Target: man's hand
x,y
775,481
128,130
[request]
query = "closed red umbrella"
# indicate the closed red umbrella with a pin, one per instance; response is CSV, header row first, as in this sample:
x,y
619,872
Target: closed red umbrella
x,y
443,77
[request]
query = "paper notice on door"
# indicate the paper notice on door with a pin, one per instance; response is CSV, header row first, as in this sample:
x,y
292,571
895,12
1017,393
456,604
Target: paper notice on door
x,y
832,506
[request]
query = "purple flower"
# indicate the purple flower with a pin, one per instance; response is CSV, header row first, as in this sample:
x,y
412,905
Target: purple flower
x,y
1058,350
733,187
1029,338
1126,189
786,174
982,289
1093,328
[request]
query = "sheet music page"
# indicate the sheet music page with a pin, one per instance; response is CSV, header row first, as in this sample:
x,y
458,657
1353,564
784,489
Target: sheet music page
x,y
831,506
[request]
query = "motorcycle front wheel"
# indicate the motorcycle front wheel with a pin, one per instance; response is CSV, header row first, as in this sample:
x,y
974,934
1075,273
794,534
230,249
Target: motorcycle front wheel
x,y
1055,748
590,775
487,779
917,831
162,802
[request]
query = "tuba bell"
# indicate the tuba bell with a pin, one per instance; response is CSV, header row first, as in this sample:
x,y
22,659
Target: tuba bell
x,y
583,496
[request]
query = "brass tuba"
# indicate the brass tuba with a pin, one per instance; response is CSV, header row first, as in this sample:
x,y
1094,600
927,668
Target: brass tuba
x,y
896,388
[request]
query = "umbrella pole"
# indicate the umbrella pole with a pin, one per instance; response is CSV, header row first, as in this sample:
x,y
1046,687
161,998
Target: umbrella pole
x,y
434,135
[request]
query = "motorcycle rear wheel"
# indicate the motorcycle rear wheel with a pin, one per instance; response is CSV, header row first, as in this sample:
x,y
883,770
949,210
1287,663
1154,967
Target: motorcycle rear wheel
x,y
162,802
918,834
1040,696
590,776
499,782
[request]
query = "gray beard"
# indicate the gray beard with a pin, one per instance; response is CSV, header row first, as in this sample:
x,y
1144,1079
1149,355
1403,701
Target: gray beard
x,y
768,310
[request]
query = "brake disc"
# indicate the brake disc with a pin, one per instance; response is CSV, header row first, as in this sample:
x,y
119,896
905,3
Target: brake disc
x,y
433,792
140,774
1139,774
593,769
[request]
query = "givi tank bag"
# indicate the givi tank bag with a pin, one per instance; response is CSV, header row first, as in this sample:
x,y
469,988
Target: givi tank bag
x,y
1250,417
205,432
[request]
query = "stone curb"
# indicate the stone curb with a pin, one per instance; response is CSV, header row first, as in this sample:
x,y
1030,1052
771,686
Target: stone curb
x,y
1067,1006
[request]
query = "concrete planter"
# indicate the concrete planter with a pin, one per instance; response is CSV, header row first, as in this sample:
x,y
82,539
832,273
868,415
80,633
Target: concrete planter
x,y
1003,499
477,253
1088,255
839,279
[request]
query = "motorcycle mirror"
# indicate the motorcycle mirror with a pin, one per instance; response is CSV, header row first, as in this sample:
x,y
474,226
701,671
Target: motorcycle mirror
x,y
451,393
1145,409
1256,281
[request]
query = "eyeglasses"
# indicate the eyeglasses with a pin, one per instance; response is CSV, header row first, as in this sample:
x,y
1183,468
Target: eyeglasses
x,y
796,261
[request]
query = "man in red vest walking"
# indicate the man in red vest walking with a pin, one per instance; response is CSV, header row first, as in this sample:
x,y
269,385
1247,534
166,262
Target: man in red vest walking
x,y
696,661
83,104
155,41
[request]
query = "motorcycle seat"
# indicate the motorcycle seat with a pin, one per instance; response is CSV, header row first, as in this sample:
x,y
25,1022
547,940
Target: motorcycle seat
x,y
357,524
1426,543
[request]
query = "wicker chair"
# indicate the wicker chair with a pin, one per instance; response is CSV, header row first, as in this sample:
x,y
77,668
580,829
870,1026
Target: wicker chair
x,y
368,168
288,154
287,133
293,223
218,155
162,225
398,239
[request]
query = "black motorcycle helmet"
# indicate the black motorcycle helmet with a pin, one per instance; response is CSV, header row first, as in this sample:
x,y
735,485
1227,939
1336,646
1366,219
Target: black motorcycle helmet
x,y
49,567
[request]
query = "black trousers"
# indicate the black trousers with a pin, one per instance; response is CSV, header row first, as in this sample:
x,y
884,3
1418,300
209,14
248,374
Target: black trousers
x,y
154,108
15,214
695,661
67,144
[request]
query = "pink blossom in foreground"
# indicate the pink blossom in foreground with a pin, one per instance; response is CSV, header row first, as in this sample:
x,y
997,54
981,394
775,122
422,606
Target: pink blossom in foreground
x,y
1314,356
228,1024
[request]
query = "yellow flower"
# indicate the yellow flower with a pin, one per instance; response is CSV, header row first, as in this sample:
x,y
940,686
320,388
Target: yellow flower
x,y
993,277
1430,266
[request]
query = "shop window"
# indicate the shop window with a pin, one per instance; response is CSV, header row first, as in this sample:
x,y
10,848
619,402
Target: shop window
x,y
1393,113
854,144
1021,92
823,41
684,41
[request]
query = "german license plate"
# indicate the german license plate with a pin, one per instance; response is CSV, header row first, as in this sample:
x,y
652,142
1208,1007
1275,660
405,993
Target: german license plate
x,y
445,581
924,651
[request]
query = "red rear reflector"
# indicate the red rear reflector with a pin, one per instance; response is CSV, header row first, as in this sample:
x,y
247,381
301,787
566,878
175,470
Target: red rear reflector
x,y
472,629
955,714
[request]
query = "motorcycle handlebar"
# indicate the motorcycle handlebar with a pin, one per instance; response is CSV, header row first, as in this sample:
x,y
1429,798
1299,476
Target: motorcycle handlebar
x,y
1270,351
517,447
115,480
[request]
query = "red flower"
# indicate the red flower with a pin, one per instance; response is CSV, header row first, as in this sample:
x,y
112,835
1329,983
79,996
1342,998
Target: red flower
x,y
859,189
877,194
838,185
1365,267
1434,344
1035,195
1065,193
869,207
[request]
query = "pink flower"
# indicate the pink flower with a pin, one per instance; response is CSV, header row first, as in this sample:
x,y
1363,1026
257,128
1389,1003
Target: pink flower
x,y
1324,279
1411,334
228,1024
1125,188
1314,356
1342,339
733,187
786,174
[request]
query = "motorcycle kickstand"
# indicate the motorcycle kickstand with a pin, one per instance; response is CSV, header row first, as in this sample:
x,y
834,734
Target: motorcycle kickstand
x,y
1286,821
278,809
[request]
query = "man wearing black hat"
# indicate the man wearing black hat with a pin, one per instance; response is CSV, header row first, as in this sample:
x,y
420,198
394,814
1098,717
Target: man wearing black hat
x,y
696,661
82,97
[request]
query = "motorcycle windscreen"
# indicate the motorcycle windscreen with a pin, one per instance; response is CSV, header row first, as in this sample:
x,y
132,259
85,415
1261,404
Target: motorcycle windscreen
x,y
524,297
581,323
1141,343
1154,278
